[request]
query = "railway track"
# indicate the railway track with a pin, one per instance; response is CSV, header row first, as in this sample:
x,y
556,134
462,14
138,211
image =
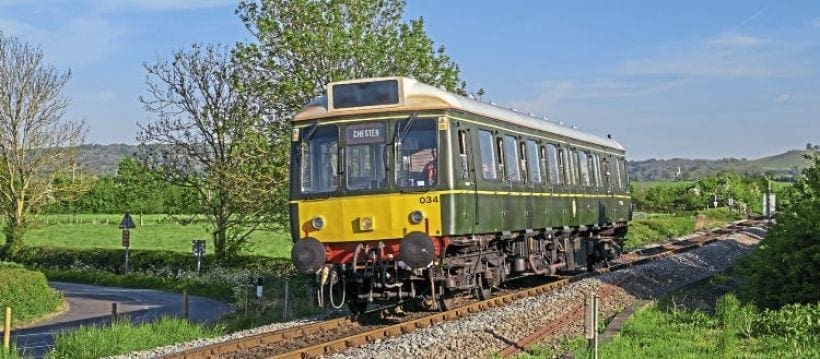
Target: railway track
x,y
316,339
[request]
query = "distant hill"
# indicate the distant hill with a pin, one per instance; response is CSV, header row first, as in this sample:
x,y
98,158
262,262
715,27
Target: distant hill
x,y
788,160
103,159
782,166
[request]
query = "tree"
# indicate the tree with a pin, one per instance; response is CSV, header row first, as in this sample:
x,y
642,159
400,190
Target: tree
x,y
211,135
809,147
36,145
783,269
302,45
137,188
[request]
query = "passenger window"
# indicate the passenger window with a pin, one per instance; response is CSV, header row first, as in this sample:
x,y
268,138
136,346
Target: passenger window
x,y
593,160
534,165
499,155
571,173
617,166
625,179
462,152
583,167
576,176
522,161
511,170
566,166
488,160
553,163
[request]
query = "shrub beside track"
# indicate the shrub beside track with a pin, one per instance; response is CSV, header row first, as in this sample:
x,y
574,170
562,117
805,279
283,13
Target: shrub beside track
x,y
27,293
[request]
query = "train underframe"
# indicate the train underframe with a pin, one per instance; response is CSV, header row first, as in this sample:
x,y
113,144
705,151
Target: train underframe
x,y
463,266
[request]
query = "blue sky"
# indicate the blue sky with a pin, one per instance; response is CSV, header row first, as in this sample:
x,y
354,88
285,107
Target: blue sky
x,y
704,79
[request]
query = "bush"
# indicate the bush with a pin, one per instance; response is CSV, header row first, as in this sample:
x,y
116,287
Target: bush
x,y
27,293
123,337
149,261
783,269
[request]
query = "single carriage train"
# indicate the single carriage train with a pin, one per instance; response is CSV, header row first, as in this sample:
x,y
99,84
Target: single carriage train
x,y
402,192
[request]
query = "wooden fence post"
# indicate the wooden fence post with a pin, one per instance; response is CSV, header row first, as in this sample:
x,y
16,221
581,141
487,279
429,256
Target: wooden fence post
x,y
7,330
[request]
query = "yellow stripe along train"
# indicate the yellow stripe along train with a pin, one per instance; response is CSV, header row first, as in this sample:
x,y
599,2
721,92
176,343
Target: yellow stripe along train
x,y
405,193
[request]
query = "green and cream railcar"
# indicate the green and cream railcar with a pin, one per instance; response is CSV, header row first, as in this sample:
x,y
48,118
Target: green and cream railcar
x,y
401,191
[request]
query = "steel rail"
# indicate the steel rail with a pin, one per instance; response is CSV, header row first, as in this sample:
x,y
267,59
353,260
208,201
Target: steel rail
x,y
306,331
262,339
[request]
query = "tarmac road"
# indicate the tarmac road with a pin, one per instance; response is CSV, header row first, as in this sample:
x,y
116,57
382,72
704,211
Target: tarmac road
x,y
89,304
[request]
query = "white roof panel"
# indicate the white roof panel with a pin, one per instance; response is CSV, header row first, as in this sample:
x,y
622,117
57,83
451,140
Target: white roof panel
x,y
417,95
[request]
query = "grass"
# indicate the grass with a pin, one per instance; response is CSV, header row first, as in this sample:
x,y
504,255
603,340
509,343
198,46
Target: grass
x,y
657,229
123,337
12,353
157,232
734,331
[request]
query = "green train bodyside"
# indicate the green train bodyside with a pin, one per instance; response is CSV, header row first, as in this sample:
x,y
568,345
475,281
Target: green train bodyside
x,y
475,205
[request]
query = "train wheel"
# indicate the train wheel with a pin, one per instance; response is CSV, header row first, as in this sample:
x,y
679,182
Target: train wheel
x,y
357,306
446,303
482,289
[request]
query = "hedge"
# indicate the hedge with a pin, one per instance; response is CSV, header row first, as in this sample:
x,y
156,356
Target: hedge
x,y
26,292
148,261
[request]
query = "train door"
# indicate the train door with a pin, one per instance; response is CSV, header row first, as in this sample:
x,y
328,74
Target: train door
x,y
600,200
513,178
466,204
587,204
606,178
569,204
555,179
532,161
488,208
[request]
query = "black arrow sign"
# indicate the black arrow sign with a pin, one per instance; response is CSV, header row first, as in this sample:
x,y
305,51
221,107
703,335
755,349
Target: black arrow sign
x,y
127,222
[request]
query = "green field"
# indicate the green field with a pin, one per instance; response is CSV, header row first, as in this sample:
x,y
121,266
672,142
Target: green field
x,y
157,232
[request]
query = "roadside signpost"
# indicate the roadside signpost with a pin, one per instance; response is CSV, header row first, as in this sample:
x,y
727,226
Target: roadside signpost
x,y
199,252
126,224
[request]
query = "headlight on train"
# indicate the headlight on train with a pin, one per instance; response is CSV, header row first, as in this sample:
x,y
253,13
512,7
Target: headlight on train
x,y
416,217
317,222
366,223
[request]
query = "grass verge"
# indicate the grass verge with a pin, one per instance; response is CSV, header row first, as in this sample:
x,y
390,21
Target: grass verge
x,y
123,337
647,231
734,331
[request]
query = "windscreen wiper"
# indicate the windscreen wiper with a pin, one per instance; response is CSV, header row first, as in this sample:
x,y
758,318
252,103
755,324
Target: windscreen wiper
x,y
311,131
402,132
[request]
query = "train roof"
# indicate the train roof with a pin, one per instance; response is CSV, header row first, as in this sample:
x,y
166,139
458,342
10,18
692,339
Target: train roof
x,y
412,95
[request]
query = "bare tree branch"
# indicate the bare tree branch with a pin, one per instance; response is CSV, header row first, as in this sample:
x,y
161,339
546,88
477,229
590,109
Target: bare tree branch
x,y
209,136
36,145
